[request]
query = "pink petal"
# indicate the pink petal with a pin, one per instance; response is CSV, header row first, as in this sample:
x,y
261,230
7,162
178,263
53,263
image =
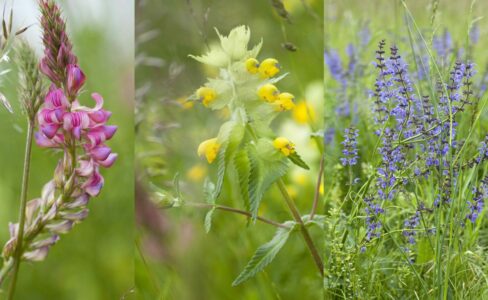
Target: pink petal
x,y
109,161
50,130
101,152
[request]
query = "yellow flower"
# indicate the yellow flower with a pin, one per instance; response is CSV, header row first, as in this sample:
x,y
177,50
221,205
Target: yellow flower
x,y
268,92
252,65
186,104
285,102
206,95
284,145
269,68
303,113
209,149
196,173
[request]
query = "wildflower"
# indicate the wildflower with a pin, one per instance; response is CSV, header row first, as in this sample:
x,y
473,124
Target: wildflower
x,y
75,79
483,151
285,102
284,145
209,149
67,125
373,223
252,65
409,227
303,113
269,68
476,205
268,92
350,150
206,95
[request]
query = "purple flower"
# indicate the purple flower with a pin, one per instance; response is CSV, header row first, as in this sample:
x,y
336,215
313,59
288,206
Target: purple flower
x,y
350,150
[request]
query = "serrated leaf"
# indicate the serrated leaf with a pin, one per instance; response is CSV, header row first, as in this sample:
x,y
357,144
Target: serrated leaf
x,y
243,168
263,256
209,191
297,160
264,172
208,220
215,57
235,44
230,136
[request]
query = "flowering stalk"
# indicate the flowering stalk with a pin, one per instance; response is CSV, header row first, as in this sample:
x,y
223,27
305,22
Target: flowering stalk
x,y
79,132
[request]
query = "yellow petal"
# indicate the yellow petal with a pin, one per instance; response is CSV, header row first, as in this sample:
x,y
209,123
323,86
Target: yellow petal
x,y
269,68
268,92
206,95
209,149
252,65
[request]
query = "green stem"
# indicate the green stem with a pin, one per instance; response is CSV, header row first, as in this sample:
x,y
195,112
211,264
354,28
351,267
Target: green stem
x,y
23,202
306,235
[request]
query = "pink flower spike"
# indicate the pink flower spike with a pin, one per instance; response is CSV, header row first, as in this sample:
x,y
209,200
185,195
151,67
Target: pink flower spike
x,y
100,153
93,185
75,79
109,161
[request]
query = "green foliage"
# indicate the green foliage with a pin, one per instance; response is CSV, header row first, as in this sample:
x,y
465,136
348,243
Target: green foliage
x,y
266,168
264,255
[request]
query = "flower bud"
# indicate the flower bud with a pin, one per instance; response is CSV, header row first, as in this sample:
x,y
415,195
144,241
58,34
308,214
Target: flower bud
x,y
75,79
268,92
252,65
209,149
284,145
206,95
285,102
269,68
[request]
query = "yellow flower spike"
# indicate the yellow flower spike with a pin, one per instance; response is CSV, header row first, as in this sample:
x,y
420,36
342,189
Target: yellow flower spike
x,y
252,65
268,92
209,149
206,95
284,145
269,68
285,102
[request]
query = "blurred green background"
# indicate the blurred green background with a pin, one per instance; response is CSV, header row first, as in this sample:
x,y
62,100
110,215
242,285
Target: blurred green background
x,y
95,260
176,258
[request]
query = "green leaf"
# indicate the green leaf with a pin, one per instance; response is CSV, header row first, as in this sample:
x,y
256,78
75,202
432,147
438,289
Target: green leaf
x,y
243,168
230,137
266,168
425,252
209,192
208,219
297,160
264,256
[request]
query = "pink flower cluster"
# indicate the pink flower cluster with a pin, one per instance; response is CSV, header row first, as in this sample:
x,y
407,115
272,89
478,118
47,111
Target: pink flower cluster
x,y
64,123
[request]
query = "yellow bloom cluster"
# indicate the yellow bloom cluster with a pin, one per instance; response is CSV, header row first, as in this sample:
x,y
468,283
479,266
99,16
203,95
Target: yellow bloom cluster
x,y
209,149
284,145
267,68
268,92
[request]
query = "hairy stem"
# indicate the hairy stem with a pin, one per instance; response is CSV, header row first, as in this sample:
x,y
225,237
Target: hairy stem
x,y
237,211
306,235
23,202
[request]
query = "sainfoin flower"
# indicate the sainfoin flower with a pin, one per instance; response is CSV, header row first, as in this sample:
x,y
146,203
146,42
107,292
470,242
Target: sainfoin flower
x,y
80,132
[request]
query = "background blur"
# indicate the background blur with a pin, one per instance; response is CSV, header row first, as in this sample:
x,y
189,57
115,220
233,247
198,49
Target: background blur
x,y
176,258
95,260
